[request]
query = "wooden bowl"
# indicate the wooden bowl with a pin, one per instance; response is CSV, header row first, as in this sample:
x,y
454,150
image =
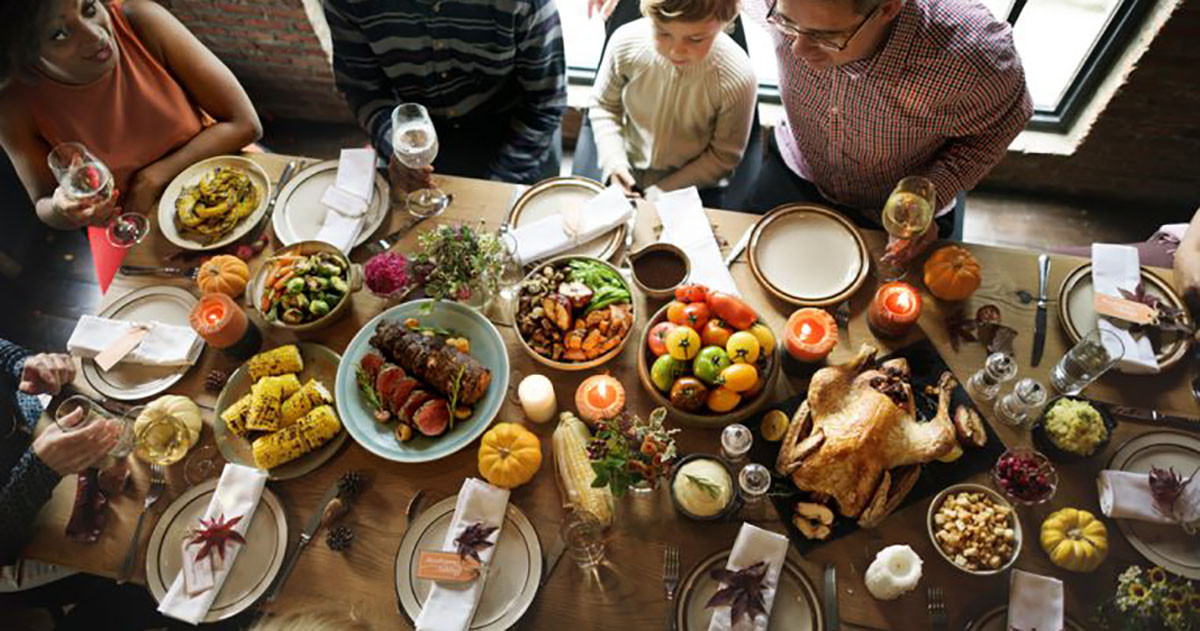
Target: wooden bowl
x,y
1058,454
354,282
591,363
745,409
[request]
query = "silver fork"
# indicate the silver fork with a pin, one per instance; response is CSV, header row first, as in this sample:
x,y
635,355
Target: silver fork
x,y
670,581
937,609
157,485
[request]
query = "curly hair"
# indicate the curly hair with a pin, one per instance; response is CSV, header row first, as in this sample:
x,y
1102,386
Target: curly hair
x,y
690,10
22,23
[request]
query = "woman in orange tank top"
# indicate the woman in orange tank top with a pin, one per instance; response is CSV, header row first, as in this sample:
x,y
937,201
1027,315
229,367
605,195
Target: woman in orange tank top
x,y
127,80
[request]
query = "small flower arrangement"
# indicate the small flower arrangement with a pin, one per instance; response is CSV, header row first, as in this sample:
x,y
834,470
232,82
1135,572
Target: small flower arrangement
x,y
386,275
1150,600
455,262
627,452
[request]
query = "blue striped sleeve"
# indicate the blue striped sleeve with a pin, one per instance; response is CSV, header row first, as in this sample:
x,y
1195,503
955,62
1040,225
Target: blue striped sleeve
x,y
358,75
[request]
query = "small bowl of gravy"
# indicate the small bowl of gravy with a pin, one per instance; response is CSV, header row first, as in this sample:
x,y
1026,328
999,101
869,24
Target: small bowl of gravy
x,y
659,268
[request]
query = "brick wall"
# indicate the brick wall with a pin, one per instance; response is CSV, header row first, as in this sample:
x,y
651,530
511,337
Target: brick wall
x,y
275,49
1144,147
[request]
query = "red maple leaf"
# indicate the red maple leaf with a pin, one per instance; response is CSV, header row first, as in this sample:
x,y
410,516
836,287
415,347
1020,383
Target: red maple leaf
x,y
214,534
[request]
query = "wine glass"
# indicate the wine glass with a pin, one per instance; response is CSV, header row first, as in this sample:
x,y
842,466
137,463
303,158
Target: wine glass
x,y
94,413
507,278
85,178
204,462
415,143
907,215
162,438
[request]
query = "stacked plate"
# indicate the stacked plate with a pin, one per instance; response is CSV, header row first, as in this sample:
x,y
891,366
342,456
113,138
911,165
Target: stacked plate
x,y
299,212
808,255
550,197
795,608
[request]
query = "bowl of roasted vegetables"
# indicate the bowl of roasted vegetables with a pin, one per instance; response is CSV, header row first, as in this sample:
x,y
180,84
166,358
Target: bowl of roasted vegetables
x,y
305,286
708,358
574,313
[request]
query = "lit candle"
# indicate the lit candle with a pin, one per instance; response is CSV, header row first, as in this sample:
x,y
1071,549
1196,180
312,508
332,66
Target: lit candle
x,y
894,310
599,397
224,325
811,334
536,394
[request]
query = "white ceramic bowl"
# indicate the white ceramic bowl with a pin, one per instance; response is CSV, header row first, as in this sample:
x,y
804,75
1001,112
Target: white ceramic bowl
x,y
996,497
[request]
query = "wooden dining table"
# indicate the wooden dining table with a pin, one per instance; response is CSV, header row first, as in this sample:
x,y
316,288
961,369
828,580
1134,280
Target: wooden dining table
x,y
627,592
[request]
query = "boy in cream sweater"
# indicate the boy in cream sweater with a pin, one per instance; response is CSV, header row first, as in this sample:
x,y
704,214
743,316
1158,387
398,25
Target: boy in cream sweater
x,y
674,98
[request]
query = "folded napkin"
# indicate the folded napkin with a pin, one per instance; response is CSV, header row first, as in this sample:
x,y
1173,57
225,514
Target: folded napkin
x,y
1116,267
574,226
1034,602
348,199
1127,495
237,493
753,545
164,345
450,608
686,225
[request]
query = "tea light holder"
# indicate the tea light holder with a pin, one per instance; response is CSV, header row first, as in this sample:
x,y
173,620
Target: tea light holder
x,y
894,310
224,325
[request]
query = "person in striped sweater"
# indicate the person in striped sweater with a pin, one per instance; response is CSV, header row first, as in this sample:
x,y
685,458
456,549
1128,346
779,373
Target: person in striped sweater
x,y
491,73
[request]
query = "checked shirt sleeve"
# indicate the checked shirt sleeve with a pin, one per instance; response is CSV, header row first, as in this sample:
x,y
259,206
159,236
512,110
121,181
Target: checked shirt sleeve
x,y
542,74
358,76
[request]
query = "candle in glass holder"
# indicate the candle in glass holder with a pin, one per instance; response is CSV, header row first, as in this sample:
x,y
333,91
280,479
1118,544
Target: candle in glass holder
x,y
599,398
811,334
894,310
224,325
537,398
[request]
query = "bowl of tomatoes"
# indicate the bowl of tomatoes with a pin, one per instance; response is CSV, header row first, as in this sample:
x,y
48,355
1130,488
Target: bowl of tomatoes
x,y
708,358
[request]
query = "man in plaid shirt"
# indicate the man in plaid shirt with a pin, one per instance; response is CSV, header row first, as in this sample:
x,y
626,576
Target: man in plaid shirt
x,y
876,90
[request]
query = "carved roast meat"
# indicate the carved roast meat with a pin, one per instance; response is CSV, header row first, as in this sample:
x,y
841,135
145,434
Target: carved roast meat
x,y
857,440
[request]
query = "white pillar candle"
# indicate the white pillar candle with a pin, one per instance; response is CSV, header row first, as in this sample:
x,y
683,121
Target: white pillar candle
x,y
537,398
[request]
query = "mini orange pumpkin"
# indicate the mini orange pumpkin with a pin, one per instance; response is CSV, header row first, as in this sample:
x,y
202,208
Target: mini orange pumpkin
x,y
952,273
223,274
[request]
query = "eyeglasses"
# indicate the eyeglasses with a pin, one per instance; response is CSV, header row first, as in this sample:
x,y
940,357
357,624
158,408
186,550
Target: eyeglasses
x,y
829,41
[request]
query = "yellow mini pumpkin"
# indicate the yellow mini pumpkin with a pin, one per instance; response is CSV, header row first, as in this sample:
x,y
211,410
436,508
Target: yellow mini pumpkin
x,y
952,273
509,455
1075,540
223,274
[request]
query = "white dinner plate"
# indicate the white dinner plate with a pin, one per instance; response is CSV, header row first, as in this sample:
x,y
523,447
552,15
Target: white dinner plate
x,y
195,173
796,607
808,255
550,197
1164,545
299,212
997,620
254,569
512,579
126,382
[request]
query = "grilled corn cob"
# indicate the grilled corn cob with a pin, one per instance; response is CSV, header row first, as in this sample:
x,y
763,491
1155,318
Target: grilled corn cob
x,y
276,361
266,399
235,416
312,395
575,470
289,384
315,429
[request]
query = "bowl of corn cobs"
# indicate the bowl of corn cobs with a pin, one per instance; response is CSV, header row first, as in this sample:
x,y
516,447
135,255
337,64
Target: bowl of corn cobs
x,y
305,286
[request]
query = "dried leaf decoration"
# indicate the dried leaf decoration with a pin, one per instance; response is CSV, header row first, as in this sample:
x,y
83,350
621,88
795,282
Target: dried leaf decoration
x,y
1168,319
214,534
474,539
741,591
985,328
1166,486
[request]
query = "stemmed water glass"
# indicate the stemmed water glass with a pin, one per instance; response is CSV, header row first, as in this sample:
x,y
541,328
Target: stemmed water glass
x,y
92,412
84,178
415,144
907,215
506,279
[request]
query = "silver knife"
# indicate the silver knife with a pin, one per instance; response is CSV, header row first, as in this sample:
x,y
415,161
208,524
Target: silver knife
x,y
551,558
1039,322
310,529
739,247
1154,416
386,243
831,598
284,178
168,272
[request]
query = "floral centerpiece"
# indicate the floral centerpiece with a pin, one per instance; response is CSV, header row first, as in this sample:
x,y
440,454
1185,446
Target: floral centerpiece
x,y
627,452
451,262
1150,600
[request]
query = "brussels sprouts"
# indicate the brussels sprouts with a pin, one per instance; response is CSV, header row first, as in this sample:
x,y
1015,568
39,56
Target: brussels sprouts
x,y
338,285
295,285
293,316
316,283
318,308
329,269
303,267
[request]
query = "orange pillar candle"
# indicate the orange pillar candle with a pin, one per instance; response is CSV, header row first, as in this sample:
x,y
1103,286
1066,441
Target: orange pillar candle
x,y
894,310
811,334
600,397
219,320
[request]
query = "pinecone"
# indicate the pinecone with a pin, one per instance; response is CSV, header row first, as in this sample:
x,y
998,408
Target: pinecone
x,y
215,380
339,538
351,484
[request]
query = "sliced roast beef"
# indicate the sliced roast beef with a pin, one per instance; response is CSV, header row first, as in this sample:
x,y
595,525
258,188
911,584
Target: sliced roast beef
x,y
433,361
414,403
397,396
388,375
433,417
371,362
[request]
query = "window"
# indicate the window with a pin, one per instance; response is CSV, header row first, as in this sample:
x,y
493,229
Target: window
x,y
1066,46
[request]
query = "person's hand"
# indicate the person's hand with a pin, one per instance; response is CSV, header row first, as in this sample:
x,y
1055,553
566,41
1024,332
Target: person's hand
x,y
46,373
68,452
1187,279
408,180
901,251
622,178
603,7
88,212
145,188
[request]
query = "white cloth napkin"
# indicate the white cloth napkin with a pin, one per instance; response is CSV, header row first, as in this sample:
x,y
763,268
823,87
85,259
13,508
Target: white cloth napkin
x,y
1117,267
164,345
685,224
237,493
450,608
1035,602
348,199
1127,495
753,545
561,232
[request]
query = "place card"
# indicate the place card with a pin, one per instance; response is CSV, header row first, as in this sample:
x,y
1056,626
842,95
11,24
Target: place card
x,y
198,576
121,346
1122,309
446,567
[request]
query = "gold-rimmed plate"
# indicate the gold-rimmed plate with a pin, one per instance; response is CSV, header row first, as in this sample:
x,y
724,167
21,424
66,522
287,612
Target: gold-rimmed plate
x,y
795,608
192,175
808,255
997,620
253,570
550,197
299,212
1078,316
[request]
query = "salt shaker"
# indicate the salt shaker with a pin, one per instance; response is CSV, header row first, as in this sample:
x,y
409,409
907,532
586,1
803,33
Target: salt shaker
x,y
754,480
1026,399
736,440
998,369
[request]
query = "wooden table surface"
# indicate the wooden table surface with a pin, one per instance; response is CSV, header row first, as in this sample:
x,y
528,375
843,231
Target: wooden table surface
x,y
627,593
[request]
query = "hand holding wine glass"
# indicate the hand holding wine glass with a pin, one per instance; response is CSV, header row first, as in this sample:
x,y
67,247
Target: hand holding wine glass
x,y
86,194
908,218
415,144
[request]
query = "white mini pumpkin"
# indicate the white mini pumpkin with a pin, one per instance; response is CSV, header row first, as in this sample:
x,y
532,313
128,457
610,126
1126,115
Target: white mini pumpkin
x,y
895,570
175,405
